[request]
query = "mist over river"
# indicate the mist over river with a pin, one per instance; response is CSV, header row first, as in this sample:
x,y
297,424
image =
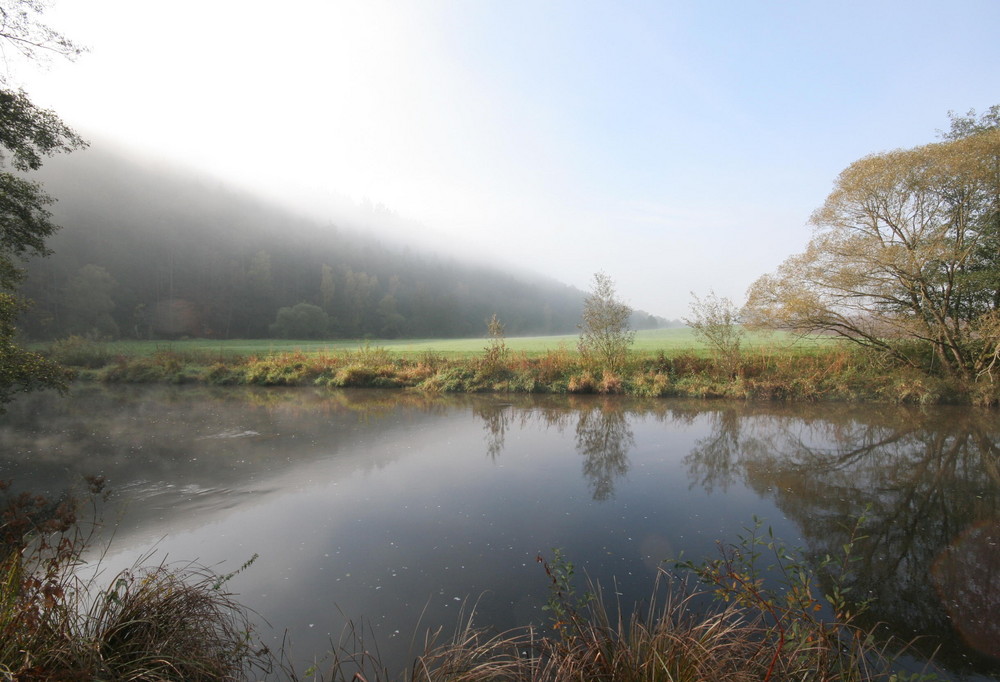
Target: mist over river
x,y
397,509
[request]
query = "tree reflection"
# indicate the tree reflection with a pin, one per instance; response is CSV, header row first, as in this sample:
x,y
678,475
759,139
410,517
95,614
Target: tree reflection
x,y
603,434
604,438
496,420
928,487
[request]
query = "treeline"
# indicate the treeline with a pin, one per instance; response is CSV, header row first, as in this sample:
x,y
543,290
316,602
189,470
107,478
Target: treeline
x,y
151,253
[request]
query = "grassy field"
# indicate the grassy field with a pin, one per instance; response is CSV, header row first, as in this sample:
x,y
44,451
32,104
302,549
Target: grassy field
x,y
651,341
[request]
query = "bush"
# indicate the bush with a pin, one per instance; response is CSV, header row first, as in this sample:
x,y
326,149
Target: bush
x,y
582,382
354,375
286,369
651,384
301,321
717,322
168,624
79,351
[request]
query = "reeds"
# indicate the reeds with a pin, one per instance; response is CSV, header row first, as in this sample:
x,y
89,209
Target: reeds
x,y
167,623
758,616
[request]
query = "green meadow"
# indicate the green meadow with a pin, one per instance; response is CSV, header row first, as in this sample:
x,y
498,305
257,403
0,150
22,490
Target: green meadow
x,y
669,341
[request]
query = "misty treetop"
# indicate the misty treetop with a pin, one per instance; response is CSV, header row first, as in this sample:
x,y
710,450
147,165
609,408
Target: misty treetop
x,y
27,135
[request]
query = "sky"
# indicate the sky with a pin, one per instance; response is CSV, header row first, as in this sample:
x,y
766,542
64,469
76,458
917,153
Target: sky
x,y
676,146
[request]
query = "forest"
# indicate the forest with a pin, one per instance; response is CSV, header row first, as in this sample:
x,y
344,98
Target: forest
x,y
151,252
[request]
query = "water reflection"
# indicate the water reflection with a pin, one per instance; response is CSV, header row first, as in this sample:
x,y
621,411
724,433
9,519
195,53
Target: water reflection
x,y
927,486
926,483
496,419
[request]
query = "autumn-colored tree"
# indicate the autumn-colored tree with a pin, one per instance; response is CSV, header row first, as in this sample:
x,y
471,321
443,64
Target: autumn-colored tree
x,y
904,250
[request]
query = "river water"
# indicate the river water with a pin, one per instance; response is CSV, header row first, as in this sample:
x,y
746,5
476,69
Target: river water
x,y
396,510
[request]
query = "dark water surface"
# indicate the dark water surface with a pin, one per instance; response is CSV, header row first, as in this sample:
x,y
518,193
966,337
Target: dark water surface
x,y
394,508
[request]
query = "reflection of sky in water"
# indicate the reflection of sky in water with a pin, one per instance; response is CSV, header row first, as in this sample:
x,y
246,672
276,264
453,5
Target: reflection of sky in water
x,y
394,508
438,522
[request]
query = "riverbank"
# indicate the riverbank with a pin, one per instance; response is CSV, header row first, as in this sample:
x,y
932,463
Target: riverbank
x,y
819,372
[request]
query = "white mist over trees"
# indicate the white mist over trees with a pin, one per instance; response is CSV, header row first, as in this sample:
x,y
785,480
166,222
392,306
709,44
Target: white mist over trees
x,y
188,256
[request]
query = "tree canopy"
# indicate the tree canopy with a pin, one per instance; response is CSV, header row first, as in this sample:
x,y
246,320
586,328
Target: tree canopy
x,y
905,255
27,134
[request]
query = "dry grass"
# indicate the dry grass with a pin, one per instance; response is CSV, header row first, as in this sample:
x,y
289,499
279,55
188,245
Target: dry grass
x,y
829,372
165,623
764,370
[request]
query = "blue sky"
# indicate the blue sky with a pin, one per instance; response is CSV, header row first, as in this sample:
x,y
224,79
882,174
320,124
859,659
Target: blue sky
x,y
677,146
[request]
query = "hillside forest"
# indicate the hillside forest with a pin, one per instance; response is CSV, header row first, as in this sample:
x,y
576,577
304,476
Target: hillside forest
x,y
148,252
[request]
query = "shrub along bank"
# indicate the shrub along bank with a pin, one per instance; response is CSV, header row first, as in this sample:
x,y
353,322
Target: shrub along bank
x,y
827,372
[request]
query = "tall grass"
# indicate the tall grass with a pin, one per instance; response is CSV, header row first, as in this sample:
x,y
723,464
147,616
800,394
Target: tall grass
x,y
676,639
150,623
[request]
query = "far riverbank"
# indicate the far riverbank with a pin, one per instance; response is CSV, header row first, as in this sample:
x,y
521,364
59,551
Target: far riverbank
x,y
814,370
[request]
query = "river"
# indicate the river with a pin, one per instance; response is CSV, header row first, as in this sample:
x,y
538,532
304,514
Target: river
x,y
396,510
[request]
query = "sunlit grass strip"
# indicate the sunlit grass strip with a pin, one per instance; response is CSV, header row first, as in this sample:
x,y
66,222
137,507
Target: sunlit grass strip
x,y
648,341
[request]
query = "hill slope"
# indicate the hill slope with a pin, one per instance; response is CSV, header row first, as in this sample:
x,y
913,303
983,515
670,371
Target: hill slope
x,y
147,252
